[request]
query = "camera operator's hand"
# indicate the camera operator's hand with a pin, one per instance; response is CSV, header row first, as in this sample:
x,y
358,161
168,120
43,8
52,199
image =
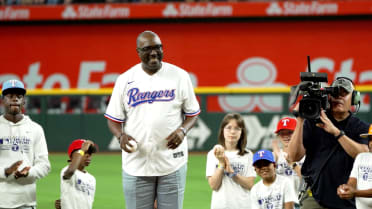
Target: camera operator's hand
x,y
327,124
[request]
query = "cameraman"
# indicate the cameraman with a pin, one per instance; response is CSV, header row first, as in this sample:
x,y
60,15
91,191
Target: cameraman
x,y
330,148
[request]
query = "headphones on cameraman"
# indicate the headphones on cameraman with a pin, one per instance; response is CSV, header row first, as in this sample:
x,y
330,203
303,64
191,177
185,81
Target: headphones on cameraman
x,y
355,96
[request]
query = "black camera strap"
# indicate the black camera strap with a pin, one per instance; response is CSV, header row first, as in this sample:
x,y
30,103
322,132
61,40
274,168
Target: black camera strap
x,y
303,194
323,165
313,181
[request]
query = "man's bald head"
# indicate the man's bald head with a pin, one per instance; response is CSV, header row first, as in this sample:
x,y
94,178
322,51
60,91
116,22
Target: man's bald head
x,y
146,35
150,51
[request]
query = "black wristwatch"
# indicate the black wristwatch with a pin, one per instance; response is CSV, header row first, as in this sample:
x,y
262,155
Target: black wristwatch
x,y
296,113
340,135
294,165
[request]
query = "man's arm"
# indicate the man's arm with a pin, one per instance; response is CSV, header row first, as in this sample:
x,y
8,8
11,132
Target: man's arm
x,y
350,146
296,149
189,122
176,137
117,130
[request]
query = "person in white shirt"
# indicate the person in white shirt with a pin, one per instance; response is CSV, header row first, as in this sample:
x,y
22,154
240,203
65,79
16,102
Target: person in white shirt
x,y
359,184
77,185
272,191
23,151
153,104
285,167
229,166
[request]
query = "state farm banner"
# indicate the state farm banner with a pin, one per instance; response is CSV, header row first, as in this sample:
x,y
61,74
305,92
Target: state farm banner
x,y
184,10
229,54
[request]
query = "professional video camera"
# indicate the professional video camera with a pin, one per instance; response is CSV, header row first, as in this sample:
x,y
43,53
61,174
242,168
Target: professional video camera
x,y
314,95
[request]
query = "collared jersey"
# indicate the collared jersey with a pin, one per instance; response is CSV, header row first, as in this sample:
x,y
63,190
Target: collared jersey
x,y
151,108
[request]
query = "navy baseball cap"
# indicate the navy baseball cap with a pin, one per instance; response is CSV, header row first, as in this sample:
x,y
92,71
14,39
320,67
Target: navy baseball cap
x,y
263,155
13,84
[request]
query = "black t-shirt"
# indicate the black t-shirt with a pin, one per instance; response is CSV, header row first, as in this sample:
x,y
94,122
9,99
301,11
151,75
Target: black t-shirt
x,y
318,144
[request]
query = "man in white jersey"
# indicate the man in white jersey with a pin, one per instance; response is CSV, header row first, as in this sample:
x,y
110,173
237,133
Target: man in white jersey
x,y
272,191
77,185
23,151
359,184
154,104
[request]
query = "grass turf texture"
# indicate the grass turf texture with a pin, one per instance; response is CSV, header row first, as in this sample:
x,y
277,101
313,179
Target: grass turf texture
x,y
106,168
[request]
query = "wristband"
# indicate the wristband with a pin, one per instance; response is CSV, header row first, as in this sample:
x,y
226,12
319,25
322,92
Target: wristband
x,y
220,166
340,135
183,130
231,175
81,152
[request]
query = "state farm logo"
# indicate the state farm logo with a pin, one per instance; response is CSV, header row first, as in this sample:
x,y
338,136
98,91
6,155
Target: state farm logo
x,y
9,13
94,12
197,10
274,9
302,8
170,11
69,12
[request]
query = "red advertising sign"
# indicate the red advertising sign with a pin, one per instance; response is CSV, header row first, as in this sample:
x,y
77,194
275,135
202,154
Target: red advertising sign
x,y
230,54
185,10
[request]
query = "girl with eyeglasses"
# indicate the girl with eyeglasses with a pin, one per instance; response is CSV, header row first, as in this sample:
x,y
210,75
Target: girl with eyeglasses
x,y
229,166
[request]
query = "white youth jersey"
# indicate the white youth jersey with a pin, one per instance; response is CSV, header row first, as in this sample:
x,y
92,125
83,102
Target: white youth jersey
x,y
286,170
78,191
151,108
24,141
231,195
362,171
273,196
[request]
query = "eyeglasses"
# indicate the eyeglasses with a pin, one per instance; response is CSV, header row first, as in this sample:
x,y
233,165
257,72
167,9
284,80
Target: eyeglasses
x,y
157,47
229,128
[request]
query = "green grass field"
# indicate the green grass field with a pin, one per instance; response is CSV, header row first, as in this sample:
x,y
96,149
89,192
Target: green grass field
x,y
109,193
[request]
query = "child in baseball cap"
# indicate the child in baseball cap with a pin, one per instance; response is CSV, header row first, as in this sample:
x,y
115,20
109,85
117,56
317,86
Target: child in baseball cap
x,y
369,136
13,86
284,131
285,167
77,185
272,191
